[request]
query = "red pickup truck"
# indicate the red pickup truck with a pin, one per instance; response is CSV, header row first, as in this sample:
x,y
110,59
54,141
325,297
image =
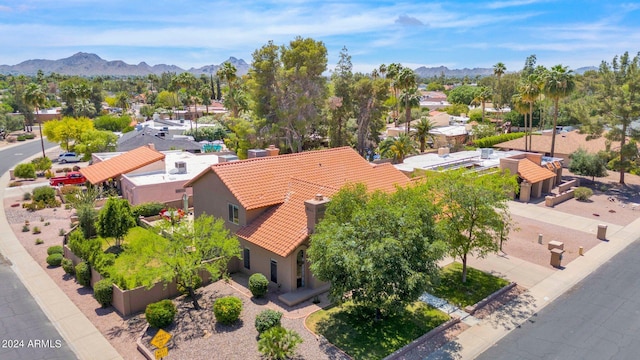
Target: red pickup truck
x,y
72,178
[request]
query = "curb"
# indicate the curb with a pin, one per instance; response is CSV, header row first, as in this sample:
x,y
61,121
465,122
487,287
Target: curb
x,y
424,338
471,309
142,348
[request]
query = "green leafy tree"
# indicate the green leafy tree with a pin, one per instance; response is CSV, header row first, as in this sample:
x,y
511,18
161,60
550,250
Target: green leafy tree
x,y
243,137
203,245
94,141
112,122
583,163
67,131
363,235
557,83
147,111
463,94
341,103
620,101
263,84
397,148
369,97
228,73
115,219
472,209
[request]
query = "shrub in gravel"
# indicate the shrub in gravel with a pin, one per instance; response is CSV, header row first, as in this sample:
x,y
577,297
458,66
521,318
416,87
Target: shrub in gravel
x,y
258,285
278,343
67,266
83,274
39,241
25,171
583,193
36,230
267,319
54,259
56,249
160,314
26,196
25,228
103,292
44,193
227,309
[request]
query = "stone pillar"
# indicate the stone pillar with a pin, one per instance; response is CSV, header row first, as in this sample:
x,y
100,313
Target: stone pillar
x,y
525,191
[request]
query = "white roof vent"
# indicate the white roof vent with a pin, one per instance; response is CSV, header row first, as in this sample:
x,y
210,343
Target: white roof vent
x,y
181,166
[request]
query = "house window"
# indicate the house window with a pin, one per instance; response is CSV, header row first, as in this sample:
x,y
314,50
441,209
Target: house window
x,y
274,271
233,213
247,258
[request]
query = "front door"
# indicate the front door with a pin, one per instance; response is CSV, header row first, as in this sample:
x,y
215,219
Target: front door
x,y
274,271
300,269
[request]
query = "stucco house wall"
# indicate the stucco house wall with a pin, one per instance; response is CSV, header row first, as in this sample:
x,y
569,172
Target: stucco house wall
x,y
169,192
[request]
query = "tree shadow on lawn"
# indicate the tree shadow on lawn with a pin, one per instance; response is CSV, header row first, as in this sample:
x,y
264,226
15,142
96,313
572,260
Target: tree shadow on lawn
x,y
364,338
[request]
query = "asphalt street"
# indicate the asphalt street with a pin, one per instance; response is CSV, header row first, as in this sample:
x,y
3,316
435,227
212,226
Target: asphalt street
x,y
25,331
598,319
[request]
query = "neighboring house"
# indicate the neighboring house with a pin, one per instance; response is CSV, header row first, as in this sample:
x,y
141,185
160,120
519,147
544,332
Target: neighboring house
x,y
108,168
534,177
166,185
537,174
566,144
273,203
449,136
146,175
162,140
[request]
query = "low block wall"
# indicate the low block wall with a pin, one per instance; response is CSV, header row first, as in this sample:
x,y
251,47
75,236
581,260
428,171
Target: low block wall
x,y
552,201
482,303
128,302
568,185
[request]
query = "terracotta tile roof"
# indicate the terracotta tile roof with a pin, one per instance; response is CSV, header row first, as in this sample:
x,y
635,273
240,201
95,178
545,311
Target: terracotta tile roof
x,y
283,228
265,181
121,164
566,143
532,172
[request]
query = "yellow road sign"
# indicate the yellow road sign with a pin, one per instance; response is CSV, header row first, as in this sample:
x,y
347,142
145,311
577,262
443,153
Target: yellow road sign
x,y
161,339
162,352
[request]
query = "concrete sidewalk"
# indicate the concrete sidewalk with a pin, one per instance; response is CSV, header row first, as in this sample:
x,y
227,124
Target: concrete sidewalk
x,y
79,333
545,285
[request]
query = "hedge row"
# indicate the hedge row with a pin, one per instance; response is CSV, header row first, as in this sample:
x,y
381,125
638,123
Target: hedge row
x,y
490,141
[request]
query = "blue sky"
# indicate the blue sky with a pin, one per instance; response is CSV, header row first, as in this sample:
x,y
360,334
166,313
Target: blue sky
x,y
191,33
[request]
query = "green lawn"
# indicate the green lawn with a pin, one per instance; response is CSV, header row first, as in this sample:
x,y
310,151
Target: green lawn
x,y
136,262
369,339
478,286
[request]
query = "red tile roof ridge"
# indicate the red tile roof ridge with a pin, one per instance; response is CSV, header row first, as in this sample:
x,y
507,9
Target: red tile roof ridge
x,y
278,157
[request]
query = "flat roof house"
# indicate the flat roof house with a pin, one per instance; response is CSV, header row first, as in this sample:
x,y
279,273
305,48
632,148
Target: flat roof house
x,y
272,203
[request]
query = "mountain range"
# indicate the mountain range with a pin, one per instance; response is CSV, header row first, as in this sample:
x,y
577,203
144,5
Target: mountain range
x,y
87,64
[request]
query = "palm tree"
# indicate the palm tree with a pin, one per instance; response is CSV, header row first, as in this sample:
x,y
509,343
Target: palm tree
x,y
392,73
523,109
410,99
35,96
228,72
529,90
498,70
558,83
407,81
422,132
397,148
481,98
